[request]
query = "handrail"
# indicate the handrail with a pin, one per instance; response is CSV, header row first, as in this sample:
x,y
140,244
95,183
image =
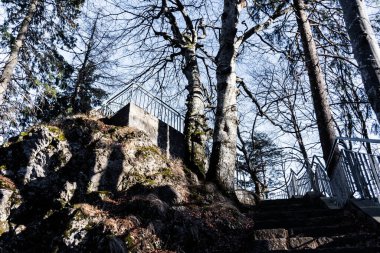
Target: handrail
x,y
357,175
147,101
347,139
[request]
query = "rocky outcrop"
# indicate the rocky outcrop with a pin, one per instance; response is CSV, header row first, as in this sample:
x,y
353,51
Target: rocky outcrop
x,y
79,185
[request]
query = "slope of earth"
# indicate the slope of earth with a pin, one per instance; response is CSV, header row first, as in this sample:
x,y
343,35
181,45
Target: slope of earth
x,y
79,185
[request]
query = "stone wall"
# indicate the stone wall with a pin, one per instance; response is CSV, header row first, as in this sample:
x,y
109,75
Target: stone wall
x,y
164,136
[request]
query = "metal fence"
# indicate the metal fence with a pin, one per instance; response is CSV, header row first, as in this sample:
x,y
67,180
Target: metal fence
x,y
356,175
148,102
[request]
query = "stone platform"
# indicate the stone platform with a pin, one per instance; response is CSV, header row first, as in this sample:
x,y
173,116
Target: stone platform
x,y
170,140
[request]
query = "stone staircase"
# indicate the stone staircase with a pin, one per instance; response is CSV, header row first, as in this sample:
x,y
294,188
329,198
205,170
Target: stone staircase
x,y
308,225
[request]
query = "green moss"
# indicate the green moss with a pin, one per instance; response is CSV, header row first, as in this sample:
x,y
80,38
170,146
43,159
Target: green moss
x,y
166,172
140,178
200,166
147,150
23,134
58,132
129,240
149,181
199,133
3,185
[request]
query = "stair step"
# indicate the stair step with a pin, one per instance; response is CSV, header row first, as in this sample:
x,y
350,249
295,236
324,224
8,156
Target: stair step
x,y
283,206
307,213
268,234
301,243
332,250
313,231
283,202
301,225
297,222
324,230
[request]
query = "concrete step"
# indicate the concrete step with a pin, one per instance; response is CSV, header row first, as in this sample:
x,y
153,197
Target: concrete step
x,y
302,213
340,220
332,250
325,230
301,225
283,202
301,243
291,205
312,231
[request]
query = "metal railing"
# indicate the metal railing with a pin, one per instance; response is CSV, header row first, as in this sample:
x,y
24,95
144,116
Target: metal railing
x,y
311,177
299,183
356,175
145,100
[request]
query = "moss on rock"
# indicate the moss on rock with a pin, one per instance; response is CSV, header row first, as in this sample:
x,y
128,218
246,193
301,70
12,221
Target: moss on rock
x,y
59,134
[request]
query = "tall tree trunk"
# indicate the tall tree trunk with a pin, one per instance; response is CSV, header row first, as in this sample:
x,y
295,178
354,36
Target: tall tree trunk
x,y
223,156
317,86
78,86
11,63
196,129
365,48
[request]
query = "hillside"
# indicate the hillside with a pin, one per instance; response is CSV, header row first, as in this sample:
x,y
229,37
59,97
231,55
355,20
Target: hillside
x,y
79,185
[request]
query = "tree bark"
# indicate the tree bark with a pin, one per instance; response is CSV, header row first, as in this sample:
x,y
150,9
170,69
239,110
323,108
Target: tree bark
x,y
11,63
365,48
223,155
196,129
318,87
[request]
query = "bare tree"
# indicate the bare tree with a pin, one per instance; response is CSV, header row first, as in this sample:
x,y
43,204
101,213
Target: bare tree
x,y
318,87
223,156
171,42
260,155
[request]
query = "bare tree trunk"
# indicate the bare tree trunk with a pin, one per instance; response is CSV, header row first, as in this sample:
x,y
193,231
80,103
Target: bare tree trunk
x,y
297,132
223,156
258,194
196,129
365,48
301,145
318,87
11,63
